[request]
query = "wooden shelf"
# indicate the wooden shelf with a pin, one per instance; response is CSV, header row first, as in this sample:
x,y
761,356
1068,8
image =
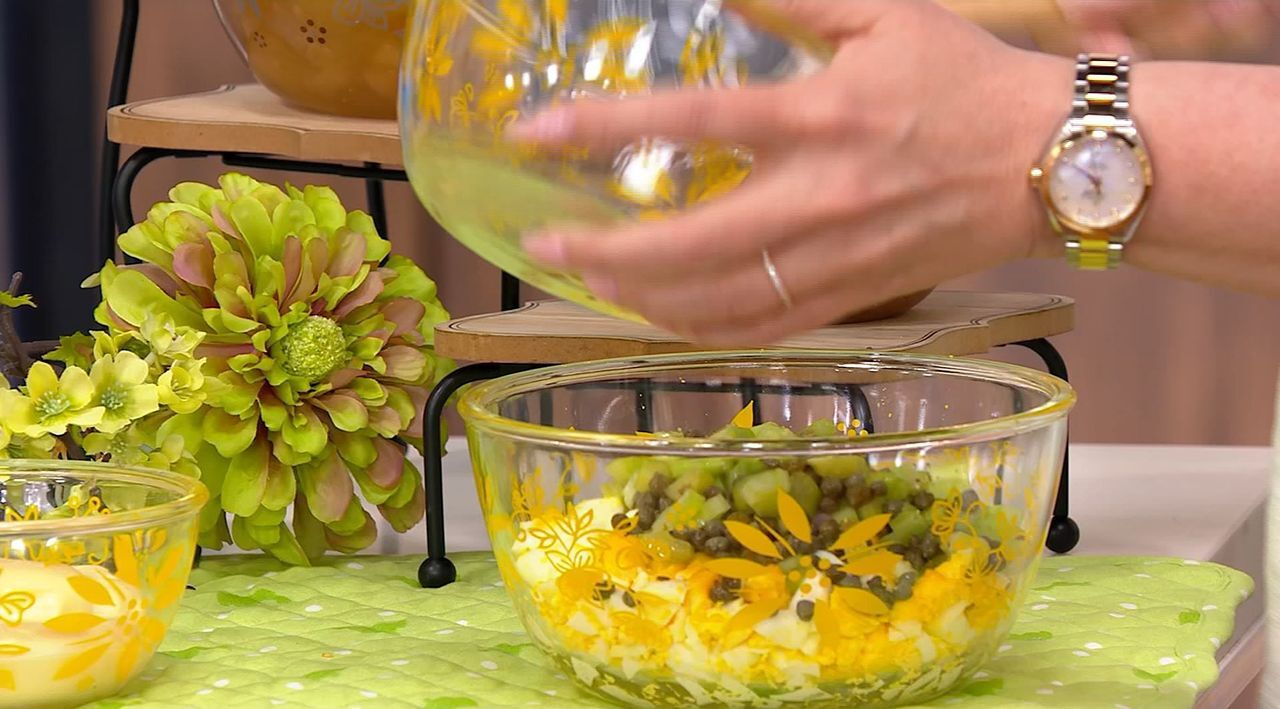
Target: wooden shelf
x,y
947,322
250,119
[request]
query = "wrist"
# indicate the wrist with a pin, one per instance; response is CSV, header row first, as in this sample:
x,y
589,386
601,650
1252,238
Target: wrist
x,y
1044,91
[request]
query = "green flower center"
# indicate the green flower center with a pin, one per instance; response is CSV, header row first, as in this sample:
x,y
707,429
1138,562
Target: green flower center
x,y
313,348
113,399
52,404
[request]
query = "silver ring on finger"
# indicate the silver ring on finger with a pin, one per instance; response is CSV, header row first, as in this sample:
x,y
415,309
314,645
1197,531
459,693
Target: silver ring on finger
x,y
775,278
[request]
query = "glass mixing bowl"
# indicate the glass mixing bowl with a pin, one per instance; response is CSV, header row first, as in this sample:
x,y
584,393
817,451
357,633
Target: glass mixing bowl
x,y
93,561
764,529
340,58
472,67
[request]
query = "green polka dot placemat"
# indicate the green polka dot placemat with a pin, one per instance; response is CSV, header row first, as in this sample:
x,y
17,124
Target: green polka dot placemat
x,y
358,632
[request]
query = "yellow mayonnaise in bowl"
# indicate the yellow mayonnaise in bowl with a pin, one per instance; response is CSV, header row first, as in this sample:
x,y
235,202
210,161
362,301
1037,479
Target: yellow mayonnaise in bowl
x,y
768,529
93,561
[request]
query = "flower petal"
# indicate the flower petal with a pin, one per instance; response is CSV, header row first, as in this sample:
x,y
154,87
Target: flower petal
x,y
364,294
193,262
246,479
328,487
76,386
405,363
405,313
346,412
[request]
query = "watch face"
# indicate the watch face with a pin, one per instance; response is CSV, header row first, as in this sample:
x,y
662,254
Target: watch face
x,y
1097,181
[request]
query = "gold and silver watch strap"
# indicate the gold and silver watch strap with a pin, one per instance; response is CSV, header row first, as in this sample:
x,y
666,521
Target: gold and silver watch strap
x,y
1101,102
1102,90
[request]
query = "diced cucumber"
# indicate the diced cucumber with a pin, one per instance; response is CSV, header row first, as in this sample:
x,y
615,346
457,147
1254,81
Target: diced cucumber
x,y
714,508
731,432
759,493
742,468
839,466
667,547
693,480
845,516
770,431
907,525
806,492
820,429
683,513
641,469
871,508
904,481
715,466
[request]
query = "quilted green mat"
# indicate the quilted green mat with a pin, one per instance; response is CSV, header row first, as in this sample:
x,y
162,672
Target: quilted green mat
x,y
1111,633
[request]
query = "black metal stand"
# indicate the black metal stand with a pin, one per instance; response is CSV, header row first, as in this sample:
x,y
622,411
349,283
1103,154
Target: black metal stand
x,y
436,570
117,95
1064,533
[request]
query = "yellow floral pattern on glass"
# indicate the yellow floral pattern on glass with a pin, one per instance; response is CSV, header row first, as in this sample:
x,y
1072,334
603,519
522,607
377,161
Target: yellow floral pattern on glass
x,y
619,607
84,617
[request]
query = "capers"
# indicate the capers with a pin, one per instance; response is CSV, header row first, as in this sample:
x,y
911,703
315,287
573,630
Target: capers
x,y
717,546
923,500
618,520
659,483
832,487
804,610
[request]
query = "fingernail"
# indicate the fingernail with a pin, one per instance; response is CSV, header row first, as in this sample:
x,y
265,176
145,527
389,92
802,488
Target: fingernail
x,y
547,127
603,286
547,249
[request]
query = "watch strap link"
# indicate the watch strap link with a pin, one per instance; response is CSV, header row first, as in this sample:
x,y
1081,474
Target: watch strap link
x,y
1101,101
1101,89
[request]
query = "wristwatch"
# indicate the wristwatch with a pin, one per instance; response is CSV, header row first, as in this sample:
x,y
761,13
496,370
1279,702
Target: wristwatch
x,y
1095,178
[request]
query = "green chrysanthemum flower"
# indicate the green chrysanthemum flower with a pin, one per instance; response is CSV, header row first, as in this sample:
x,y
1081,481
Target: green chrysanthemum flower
x,y
315,358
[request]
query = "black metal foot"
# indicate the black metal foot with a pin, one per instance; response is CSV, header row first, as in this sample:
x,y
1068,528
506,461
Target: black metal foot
x,y
437,570
1064,535
437,573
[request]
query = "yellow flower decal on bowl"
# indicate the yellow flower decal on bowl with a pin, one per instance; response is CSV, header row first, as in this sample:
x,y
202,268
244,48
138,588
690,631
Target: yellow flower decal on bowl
x,y
136,631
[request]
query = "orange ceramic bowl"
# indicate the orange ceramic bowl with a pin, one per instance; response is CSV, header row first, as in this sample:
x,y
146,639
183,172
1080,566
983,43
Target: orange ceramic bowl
x,y
339,58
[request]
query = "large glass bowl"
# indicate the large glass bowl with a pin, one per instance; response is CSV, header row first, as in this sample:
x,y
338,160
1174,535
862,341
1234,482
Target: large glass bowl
x,y
472,67
340,58
667,545
93,560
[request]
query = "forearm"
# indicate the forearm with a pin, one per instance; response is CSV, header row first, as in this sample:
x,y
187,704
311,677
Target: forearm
x,y
1214,213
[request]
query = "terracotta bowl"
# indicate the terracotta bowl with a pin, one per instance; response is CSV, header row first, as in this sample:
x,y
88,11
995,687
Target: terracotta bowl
x,y
340,58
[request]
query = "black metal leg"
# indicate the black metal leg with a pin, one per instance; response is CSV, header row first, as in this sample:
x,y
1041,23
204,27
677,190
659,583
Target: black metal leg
x,y
377,204
122,185
1064,533
751,397
436,570
510,291
861,409
116,95
644,406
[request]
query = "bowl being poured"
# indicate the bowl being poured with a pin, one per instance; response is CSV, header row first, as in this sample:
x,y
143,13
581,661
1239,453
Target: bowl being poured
x,y
473,67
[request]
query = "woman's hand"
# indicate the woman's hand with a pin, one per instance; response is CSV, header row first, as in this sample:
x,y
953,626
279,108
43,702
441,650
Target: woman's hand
x,y
900,166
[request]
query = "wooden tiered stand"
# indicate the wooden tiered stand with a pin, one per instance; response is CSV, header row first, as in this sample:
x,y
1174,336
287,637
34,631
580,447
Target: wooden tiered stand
x,y
247,126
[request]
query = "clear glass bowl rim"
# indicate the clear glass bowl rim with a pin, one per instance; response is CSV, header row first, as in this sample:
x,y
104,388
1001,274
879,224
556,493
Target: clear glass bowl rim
x,y
191,497
477,404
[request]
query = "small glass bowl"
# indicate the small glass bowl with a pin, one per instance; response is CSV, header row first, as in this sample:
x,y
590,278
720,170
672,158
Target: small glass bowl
x,y
93,560
338,58
816,529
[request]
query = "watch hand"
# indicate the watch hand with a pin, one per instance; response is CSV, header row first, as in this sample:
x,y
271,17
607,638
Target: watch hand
x,y
1095,180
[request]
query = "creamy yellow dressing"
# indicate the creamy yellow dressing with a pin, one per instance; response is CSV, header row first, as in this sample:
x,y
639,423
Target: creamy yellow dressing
x,y
62,634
